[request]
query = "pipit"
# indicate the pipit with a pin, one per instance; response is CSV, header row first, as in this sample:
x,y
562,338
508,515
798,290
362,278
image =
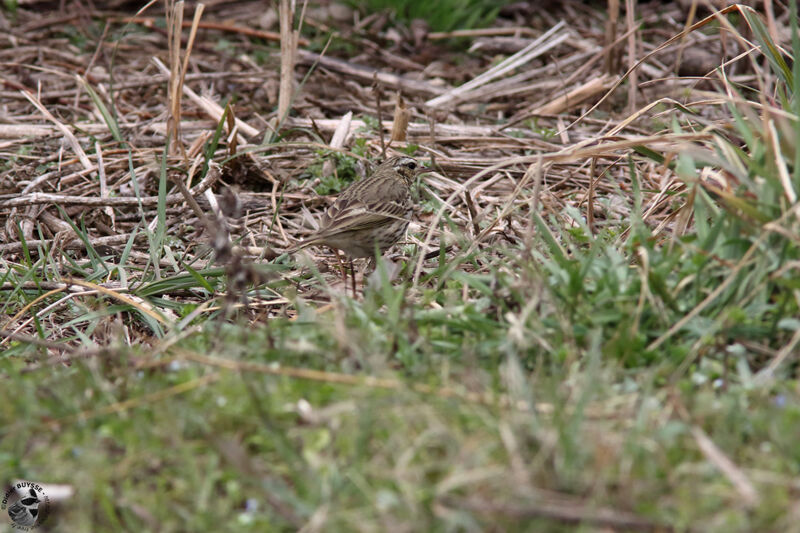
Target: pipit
x,y
371,214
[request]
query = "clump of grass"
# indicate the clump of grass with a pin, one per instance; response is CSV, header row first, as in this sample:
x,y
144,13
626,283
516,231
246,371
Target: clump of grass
x,y
742,191
444,15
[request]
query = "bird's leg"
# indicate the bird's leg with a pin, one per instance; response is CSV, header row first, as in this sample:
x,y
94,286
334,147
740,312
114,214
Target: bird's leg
x,y
342,269
377,266
353,276
369,270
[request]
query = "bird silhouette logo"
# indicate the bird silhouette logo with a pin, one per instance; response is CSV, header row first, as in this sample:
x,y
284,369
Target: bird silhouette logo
x,y
25,512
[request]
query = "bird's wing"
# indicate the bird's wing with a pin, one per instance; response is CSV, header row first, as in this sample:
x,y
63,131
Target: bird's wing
x,y
353,215
349,212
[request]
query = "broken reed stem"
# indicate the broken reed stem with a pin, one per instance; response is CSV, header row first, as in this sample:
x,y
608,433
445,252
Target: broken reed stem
x,y
174,24
198,13
103,182
611,60
690,17
376,90
400,120
630,19
289,38
538,177
473,213
178,68
230,120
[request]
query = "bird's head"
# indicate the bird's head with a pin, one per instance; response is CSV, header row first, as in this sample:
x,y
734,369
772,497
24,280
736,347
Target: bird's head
x,y
408,167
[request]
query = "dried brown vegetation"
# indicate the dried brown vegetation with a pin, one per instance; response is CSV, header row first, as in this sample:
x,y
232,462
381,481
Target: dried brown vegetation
x,y
67,73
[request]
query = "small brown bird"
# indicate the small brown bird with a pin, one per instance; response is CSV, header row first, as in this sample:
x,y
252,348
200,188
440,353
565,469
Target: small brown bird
x,y
372,213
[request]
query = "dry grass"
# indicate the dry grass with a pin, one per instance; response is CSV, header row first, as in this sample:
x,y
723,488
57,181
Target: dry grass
x,y
118,131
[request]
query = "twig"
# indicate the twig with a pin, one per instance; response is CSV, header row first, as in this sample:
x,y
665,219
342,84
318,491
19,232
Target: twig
x,y
366,74
486,398
481,32
630,20
37,198
56,285
213,109
150,22
376,90
73,141
538,47
734,474
414,128
288,57
573,513
473,215
716,456
72,244
611,59
101,173
576,96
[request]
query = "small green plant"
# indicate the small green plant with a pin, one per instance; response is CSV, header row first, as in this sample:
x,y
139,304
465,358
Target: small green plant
x,y
11,6
442,15
333,182
225,45
546,133
11,162
410,149
370,124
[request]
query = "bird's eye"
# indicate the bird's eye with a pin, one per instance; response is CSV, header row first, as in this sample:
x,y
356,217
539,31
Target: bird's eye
x,y
412,165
